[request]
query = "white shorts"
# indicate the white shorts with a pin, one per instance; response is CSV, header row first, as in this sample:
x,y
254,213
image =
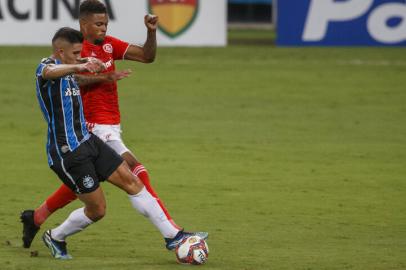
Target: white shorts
x,y
111,135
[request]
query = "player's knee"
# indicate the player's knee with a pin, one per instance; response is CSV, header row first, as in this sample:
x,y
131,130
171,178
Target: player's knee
x,y
134,186
97,212
100,213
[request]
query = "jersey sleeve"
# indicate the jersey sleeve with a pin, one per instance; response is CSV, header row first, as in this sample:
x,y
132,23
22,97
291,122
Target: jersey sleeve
x,y
119,48
40,69
44,62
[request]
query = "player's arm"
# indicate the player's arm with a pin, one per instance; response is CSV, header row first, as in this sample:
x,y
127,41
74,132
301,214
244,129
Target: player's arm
x,y
108,77
146,53
51,71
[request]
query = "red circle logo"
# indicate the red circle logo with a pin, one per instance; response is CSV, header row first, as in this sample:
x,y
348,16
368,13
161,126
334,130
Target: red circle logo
x,y
108,48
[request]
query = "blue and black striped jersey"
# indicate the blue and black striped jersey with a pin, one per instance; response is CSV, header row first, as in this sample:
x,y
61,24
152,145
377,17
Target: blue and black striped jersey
x,y
61,104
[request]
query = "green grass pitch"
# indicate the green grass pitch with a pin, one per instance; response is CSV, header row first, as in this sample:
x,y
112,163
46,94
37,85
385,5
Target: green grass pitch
x,y
292,158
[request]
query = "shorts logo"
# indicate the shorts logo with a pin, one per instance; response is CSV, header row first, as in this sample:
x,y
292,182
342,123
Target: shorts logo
x,y
175,16
108,48
64,149
88,181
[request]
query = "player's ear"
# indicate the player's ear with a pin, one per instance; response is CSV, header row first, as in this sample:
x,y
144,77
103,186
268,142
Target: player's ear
x,y
82,22
61,52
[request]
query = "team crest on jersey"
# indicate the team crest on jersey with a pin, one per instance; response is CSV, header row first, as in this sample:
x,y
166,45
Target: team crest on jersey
x,y
175,16
88,181
108,48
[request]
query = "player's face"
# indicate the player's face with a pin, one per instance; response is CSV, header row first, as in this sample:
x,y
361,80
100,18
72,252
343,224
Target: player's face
x,y
71,53
94,27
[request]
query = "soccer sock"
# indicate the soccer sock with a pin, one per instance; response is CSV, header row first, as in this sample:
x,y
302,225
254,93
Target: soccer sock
x,y
41,214
149,207
61,197
140,171
76,222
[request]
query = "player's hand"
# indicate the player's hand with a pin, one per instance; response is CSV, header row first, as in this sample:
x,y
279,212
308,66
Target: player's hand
x,y
92,65
117,75
151,22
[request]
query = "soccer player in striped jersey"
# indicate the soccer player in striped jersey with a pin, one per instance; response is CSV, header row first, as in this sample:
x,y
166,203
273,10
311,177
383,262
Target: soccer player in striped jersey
x,y
101,104
101,107
80,159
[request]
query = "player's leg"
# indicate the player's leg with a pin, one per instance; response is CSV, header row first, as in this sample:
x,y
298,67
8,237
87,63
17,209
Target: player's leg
x,y
111,135
59,199
33,219
78,220
142,200
77,170
139,196
138,170
94,210
147,205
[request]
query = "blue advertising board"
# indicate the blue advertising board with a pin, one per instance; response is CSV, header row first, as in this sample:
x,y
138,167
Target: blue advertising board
x,y
341,23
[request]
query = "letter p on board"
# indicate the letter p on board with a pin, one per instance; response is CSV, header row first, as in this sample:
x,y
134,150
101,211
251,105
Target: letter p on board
x,y
322,12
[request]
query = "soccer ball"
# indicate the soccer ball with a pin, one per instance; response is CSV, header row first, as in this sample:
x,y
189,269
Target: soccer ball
x,y
192,250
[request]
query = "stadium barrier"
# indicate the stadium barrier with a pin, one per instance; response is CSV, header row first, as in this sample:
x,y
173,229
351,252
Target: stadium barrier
x,y
341,23
182,22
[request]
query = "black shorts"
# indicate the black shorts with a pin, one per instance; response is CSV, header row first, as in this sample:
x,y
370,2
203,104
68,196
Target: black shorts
x,y
92,162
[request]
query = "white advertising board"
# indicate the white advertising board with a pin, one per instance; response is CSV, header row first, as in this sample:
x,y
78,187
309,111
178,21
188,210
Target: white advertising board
x,y
182,22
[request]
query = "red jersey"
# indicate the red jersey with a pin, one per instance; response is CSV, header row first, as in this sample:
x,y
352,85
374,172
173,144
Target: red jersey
x,y
100,101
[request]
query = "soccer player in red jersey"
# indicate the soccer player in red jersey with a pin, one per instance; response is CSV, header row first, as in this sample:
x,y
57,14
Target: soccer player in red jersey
x,y
101,108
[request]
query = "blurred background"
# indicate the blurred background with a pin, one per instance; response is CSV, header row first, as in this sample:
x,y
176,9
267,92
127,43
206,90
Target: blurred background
x,y
246,12
277,126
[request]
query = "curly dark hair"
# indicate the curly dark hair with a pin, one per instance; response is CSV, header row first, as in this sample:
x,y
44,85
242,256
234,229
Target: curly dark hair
x,y
89,7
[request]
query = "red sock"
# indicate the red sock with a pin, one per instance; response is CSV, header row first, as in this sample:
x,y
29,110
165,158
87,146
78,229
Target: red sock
x,y
41,214
61,197
140,171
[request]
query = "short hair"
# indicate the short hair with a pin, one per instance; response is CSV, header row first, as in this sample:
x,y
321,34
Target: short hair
x,y
89,7
68,34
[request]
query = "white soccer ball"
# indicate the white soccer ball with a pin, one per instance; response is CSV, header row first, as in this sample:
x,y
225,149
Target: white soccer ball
x,y
192,250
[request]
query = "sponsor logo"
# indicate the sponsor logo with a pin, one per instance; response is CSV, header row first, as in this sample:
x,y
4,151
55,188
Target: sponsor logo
x,y
88,181
72,92
339,22
322,13
175,16
108,63
25,10
108,48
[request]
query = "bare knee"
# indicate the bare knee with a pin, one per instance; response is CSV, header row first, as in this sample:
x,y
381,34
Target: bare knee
x,y
125,180
130,183
96,213
133,185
